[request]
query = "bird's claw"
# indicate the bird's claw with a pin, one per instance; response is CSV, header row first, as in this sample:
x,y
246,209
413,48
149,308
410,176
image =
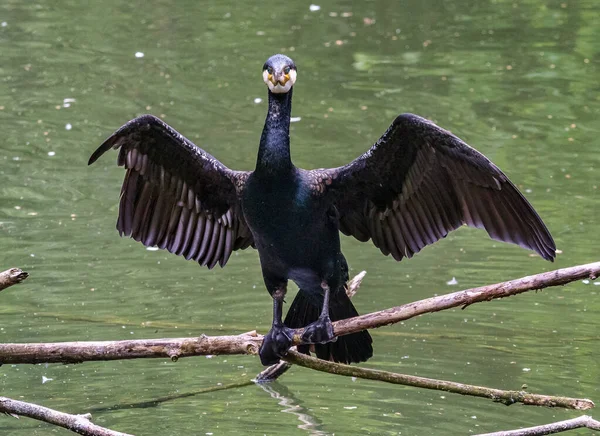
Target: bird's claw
x,y
275,344
319,332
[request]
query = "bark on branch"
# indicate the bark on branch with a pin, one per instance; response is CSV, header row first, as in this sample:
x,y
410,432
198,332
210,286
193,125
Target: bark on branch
x,y
77,423
11,277
170,348
555,427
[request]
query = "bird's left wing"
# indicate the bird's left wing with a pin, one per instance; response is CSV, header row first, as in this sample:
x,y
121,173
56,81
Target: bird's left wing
x,y
175,195
419,182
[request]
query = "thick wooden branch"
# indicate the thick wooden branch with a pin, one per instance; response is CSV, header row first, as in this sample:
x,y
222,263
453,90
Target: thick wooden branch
x,y
462,298
77,423
555,427
77,352
497,395
248,343
12,277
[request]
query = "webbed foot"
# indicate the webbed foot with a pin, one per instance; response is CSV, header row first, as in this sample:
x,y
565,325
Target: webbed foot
x,y
275,344
319,332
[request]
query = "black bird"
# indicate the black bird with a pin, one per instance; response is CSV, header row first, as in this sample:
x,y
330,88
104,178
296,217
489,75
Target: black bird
x,y
416,184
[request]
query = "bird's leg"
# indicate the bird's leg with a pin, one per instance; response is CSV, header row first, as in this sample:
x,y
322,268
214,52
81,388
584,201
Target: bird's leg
x,y
320,331
279,339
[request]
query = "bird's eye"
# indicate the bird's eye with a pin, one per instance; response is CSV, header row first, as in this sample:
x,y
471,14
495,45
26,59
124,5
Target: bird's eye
x,y
270,70
286,70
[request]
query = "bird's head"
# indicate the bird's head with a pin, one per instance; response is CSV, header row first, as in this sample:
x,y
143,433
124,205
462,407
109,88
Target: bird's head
x,y
279,73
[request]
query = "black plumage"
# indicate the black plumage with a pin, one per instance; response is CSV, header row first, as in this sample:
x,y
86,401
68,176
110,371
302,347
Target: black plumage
x,y
416,184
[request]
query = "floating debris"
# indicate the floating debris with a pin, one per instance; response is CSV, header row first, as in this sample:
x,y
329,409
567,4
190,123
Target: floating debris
x,y
314,8
139,54
46,379
452,282
68,126
295,119
155,248
258,100
51,153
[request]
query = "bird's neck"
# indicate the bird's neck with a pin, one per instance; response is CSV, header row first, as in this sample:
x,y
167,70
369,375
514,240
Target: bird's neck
x,y
274,150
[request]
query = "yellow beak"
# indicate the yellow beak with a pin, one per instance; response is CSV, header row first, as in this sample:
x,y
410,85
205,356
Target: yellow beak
x,y
280,78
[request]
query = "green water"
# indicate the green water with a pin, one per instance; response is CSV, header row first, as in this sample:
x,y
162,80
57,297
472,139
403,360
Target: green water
x,y
516,79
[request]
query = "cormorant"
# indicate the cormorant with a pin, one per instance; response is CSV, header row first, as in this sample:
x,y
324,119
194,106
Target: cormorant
x,y
416,184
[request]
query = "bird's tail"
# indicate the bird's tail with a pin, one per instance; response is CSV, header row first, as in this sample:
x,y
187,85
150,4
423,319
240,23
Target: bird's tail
x,y
352,348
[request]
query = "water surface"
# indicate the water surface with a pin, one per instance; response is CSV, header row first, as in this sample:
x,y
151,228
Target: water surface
x,y
517,80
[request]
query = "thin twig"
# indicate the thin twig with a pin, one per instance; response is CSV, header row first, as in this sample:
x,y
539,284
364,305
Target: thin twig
x,y
497,395
77,423
11,277
555,427
273,372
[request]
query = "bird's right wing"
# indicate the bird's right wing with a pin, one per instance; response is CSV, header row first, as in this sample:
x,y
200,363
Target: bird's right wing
x,y
419,182
175,195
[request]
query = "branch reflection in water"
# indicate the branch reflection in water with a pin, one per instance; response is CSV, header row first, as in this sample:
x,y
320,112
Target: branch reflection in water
x,y
285,398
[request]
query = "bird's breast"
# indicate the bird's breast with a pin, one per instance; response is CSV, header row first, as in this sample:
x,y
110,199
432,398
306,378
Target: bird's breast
x,y
288,223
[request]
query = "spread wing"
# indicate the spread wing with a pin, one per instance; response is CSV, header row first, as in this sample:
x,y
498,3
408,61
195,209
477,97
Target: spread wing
x,y
175,195
419,182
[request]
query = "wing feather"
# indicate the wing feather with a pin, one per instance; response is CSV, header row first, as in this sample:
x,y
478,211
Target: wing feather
x,y
418,183
175,195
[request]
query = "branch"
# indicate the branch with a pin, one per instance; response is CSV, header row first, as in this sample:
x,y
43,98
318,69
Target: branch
x,y
11,277
555,427
249,343
77,352
505,397
77,423
462,298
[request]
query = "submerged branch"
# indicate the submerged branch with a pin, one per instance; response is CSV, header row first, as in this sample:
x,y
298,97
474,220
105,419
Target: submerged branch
x,y
77,423
11,277
555,427
497,395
